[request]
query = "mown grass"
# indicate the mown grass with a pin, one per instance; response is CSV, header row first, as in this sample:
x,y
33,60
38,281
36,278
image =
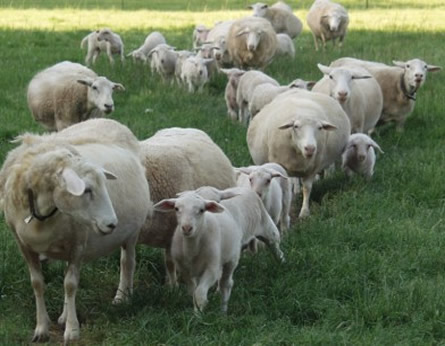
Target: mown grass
x,y
366,268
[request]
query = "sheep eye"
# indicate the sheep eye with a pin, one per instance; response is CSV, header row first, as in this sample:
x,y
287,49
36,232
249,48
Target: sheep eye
x,y
426,67
201,211
407,65
94,87
176,209
268,181
330,77
88,191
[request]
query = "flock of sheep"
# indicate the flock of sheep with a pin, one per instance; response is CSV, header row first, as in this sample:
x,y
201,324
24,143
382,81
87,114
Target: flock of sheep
x,y
80,193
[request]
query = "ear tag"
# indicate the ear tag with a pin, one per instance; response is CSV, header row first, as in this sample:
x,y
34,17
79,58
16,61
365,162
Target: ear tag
x,y
28,219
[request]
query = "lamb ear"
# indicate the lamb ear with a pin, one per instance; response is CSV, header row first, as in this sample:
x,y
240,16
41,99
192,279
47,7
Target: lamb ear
x,y
88,82
328,126
376,146
310,84
399,63
276,174
118,86
324,69
432,68
74,184
286,126
229,193
249,7
165,205
109,175
214,207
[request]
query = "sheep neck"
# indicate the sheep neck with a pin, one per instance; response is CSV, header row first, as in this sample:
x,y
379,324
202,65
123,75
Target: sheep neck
x,y
34,212
410,96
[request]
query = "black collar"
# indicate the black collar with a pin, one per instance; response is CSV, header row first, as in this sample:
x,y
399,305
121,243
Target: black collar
x,y
410,96
34,212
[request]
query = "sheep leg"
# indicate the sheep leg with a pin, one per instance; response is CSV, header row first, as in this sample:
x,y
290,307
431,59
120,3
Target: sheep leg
x,y
307,188
128,262
69,315
400,125
172,280
208,278
226,284
315,42
323,39
95,55
287,201
109,53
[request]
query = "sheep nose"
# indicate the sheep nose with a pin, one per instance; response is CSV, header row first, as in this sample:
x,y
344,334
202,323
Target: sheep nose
x,y
186,229
111,226
361,157
342,95
309,150
251,47
108,107
200,72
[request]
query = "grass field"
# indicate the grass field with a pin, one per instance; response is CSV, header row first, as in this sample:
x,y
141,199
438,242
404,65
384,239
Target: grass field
x,y
368,266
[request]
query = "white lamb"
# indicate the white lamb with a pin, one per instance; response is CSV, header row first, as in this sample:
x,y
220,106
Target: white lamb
x,y
282,5
283,21
163,61
61,201
102,40
67,93
285,46
182,55
151,41
358,93
328,21
209,51
218,36
234,75
200,34
359,155
194,73
305,132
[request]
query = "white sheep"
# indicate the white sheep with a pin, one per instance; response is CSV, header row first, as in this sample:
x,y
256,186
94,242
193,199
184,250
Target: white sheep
x,y
285,46
61,199
358,93
173,160
251,42
399,85
271,182
66,93
303,131
218,37
283,21
246,86
234,75
282,5
359,155
328,21
209,51
200,34
182,55
163,61
151,41
194,73
102,40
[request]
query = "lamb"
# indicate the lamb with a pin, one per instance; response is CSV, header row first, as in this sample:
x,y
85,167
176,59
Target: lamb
x,y
359,155
218,37
173,160
282,5
283,21
264,93
194,73
67,93
209,51
358,93
328,21
61,199
399,85
200,34
102,40
151,41
271,183
319,131
285,46
234,75
246,86
163,61
182,55
251,42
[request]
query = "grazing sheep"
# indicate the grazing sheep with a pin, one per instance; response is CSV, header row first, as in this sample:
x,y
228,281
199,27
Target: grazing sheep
x,y
151,41
194,73
328,21
359,155
251,42
173,160
283,21
200,34
399,85
163,61
271,183
102,40
285,46
182,55
282,5
59,204
303,131
67,93
234,75
358,93
246,86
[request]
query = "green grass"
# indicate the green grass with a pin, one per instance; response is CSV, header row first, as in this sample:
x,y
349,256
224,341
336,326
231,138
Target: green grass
x,y
367,268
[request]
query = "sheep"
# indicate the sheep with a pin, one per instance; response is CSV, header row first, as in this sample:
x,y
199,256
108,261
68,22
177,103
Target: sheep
x,y
303,131
218,37
163,61
246,86
182,55
67,93
266,92
234,75
283,21
102,40
285,46
251,42
328,21
282,5
173,160
359,155
200,34
358,93
194,73
151,41
61,200
271,183
399,85
209,51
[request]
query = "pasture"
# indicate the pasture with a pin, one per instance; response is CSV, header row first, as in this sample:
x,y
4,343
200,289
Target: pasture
x,y
368,266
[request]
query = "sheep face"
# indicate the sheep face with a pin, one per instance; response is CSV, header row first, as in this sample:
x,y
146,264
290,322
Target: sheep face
x,y
81,193
261,178
200,35
100,93
253,38
306,133
259,9
104,35
360,145
415,72
301,84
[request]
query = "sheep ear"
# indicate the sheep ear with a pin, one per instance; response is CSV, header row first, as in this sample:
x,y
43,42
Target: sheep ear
x,y
376,146
165,205
207,61
249,7
276,174
324,69
286,126
88,82
360,76
74,184
228,193
243,170
328,126
264,6
213,207
310,84
399,63
118,86
242,32
109,175
432,68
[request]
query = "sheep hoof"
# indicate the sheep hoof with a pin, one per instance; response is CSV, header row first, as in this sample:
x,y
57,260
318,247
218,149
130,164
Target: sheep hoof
x,y
40,337
71,335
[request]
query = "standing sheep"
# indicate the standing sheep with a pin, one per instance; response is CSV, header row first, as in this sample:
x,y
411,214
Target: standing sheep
x,y
194,73
251,42
151,41
283,21
102,40
182,55
163,61
67,93
234,75
200,34
75,197
285,46
218,36
305,132
328,21
282,5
